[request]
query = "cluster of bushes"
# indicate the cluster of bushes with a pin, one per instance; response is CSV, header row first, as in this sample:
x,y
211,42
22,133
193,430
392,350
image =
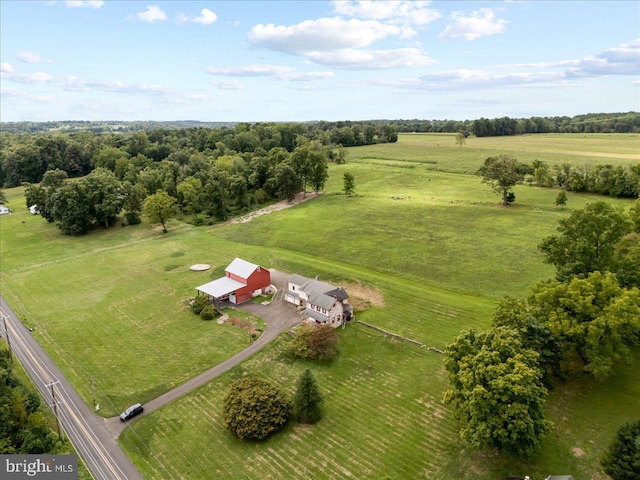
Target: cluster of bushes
x,y
201,306
255,408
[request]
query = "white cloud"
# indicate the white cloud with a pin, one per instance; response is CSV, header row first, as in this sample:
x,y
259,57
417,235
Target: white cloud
x,y
206,17
84,4
309,76
228,85
265,70
74,83
324,34
30,57
153,13
6,67
621,60
404,12
463,78
38,77
372,59
251,71
481,23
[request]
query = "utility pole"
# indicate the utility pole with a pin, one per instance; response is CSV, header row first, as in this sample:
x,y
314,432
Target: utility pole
x,y
6,333
55,409
93,393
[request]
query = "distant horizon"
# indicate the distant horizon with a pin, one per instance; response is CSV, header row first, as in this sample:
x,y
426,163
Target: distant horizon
x,y
299,61
319,120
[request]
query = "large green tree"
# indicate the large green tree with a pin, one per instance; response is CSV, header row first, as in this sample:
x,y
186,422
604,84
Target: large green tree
x,y
71,209
255,408
514,313
621,460
586,240
626,260
593,317
285,183
496,390
307,402
41,195
502,173
133,202
159,208
104,195
190,193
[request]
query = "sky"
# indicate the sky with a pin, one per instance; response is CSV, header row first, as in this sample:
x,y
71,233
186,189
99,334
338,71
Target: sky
x,y
258,61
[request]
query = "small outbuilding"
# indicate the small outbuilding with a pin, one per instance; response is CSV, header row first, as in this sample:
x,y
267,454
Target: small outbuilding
x,y
4,210
242,281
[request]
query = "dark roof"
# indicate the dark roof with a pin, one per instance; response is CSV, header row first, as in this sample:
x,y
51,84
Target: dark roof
x,y
338,293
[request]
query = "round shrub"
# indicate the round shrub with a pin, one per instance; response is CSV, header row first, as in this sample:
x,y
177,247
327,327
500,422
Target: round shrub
x,y
255,408
209,312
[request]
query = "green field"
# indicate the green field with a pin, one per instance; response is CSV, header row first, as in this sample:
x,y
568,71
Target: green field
x,y
422,230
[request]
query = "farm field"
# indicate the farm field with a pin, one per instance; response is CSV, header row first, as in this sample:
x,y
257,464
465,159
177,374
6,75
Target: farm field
x,y
429,237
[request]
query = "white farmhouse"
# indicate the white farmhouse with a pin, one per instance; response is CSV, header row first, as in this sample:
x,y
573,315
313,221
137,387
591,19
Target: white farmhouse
x,y
323,303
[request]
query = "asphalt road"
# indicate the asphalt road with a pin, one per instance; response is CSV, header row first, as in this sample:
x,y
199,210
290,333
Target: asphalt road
x,y
94,437
87,431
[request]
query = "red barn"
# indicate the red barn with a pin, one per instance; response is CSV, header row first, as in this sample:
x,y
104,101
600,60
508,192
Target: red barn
x,y
242,282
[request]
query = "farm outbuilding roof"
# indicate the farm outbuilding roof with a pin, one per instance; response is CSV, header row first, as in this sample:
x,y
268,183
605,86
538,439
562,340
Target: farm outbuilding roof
x,y
241,268
220,287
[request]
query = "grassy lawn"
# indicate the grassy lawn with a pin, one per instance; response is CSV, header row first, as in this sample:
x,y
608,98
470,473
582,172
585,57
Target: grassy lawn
x,y
423,232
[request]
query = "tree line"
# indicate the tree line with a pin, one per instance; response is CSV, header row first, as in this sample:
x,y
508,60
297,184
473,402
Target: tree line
x,y
615,181
503,172
25,158
485,127
206,175
586,321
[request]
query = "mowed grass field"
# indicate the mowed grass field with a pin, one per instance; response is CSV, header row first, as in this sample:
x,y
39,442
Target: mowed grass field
x,y
424,233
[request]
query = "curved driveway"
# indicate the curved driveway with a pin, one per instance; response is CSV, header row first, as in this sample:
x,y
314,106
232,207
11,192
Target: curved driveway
x,y
95,437
279,316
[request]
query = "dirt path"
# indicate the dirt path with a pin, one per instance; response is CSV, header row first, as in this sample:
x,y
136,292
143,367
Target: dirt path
x,y
299,198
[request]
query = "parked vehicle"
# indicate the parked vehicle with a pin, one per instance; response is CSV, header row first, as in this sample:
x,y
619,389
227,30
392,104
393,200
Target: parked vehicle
x,y
131,412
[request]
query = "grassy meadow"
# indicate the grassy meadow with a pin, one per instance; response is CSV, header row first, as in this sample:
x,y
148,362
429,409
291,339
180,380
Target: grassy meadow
x,y
422,231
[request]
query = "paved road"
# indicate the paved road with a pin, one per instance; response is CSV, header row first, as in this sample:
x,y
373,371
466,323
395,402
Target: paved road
x,y
87,431
94,437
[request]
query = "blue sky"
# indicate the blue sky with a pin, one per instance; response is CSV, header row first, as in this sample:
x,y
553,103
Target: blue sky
x,y
312,60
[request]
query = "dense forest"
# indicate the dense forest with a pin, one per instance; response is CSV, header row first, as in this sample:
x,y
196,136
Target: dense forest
x,y
210,173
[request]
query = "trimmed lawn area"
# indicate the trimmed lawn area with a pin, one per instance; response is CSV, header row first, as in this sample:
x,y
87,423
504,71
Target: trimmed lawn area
x,y
423,233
